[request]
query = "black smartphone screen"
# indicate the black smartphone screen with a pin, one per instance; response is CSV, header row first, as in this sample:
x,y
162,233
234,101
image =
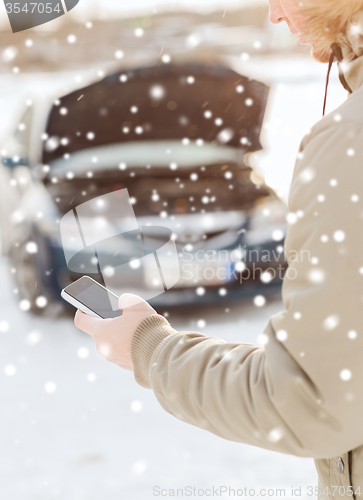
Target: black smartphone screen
x,y
95,297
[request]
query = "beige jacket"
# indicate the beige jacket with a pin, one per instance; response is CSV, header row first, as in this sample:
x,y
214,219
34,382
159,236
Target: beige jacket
x,y
301,393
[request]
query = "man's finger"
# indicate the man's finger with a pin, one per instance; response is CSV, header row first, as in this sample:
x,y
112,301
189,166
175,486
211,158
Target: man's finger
x,y
86,323
129,300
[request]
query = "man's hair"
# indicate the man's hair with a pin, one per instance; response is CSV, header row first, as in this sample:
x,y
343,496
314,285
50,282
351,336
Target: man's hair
x,y
326,19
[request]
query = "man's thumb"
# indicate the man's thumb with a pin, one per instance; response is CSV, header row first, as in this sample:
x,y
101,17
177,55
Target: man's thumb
x,y
129,299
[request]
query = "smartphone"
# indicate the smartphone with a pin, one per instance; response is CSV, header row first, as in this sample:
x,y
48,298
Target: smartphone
x,y
92,298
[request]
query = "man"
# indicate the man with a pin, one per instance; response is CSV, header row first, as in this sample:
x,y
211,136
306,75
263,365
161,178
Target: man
x,y
301,392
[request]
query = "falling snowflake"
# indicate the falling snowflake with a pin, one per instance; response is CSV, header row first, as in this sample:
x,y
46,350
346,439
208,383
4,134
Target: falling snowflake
x,y
331,322
225,135
33,338
4,326
345,374
157,92
135,263
291,218
139,32
277,235
136,406
50,387
41,301
91,377
352,334
316,275
166,58
259,300
10,370
266,277
83,352
263,339
24,305
275,435
281,335
119,54
9,53
240,266
108,271
140,466
201,323
307,175
339,236
31,247
104,349
199,291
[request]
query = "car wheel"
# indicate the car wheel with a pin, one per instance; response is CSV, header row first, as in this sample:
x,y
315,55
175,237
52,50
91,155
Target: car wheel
x,y
29,282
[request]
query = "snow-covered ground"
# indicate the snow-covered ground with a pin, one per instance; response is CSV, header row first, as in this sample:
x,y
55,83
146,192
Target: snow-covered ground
x,y
74,427
101,436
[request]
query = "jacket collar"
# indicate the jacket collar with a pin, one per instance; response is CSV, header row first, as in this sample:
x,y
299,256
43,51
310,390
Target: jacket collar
x,y
351,45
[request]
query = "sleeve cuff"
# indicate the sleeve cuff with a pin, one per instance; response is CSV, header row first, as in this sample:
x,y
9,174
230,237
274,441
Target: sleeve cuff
x,y
147,337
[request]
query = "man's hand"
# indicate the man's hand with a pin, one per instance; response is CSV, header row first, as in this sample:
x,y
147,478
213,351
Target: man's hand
x,y
113,336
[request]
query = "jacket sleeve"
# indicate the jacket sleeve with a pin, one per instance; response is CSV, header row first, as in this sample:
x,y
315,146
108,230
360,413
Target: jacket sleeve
x,y
300,393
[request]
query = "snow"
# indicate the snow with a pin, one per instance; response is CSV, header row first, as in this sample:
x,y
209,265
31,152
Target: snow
x,y
75,427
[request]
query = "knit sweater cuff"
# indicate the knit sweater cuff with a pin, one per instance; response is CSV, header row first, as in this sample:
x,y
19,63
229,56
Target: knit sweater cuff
x,y
147,337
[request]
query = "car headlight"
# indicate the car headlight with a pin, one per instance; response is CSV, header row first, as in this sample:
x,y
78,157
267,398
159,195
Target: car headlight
x,y
267,223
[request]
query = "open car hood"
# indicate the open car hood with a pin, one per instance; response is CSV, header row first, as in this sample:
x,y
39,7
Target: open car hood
x,y
167,102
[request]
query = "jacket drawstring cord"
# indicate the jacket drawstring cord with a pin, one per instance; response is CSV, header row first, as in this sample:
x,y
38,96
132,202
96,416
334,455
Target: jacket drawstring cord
x,y
336,51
